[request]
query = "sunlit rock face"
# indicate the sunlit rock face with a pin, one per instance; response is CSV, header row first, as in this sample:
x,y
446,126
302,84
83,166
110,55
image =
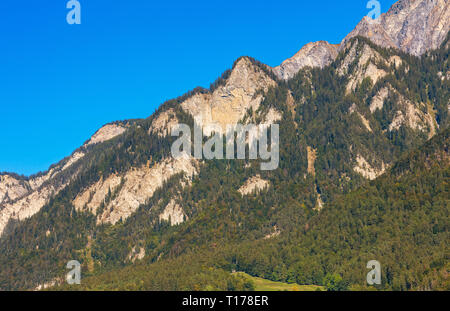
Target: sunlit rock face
x,y
228,104
413,26
21,198
315,54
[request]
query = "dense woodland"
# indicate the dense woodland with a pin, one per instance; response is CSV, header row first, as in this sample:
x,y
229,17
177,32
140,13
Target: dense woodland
x,y
401,219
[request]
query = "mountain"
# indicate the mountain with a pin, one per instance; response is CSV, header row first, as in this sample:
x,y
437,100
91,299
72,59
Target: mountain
x,y
315,54
402,217
413,26
22,197
347,114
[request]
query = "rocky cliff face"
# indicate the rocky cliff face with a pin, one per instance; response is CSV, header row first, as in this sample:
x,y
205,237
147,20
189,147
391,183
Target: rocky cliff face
x,y
21,198
315,54
229,103
116,192
107,132
413,26
226,105
120,196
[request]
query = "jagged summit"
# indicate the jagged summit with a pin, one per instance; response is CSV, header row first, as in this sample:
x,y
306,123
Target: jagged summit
x,y
121,197
413,26
314,54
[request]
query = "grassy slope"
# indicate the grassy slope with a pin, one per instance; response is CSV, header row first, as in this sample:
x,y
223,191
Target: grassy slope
x,y
267,285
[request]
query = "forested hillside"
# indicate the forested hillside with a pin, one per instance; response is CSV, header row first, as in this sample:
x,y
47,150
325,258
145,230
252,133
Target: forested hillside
x,y
363,175
401,219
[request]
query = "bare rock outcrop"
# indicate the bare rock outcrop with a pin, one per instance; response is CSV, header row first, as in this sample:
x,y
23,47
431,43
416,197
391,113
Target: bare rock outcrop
x,y
366,65
173,213
412,115
229,103
12,188
367,170
163,123
413,26
122,195
315,54
24,198
312,156
105,133
378,100
253,185
137,253
21,198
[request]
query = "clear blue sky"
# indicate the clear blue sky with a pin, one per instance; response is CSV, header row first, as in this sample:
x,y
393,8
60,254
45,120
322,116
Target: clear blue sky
x,y
59,83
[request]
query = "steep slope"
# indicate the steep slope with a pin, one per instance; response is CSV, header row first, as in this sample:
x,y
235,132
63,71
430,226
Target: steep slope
x,y
130,203
413,26
22,197
122,199
401,219
118,176
228,104
315,54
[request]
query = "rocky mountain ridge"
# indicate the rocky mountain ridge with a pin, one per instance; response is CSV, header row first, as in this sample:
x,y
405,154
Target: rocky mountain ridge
x,y
412,26
342,125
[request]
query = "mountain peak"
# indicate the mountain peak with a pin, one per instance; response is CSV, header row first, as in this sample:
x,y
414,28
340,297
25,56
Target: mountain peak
x,y
314,54
413,26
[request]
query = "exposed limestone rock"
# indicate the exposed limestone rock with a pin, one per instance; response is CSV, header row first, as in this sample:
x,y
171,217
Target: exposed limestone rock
x,y
414,26
163,124
137,187
312,156
12,188
365,68
226,105
229,103
54,282
290,102
20,199
364,121
315,54
93,197
107,132
74,158
253,185
272,116
378,99
319,205
173,213
39,191
366,170
410,115
28,205
350,56
395,61
137,253
276,232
